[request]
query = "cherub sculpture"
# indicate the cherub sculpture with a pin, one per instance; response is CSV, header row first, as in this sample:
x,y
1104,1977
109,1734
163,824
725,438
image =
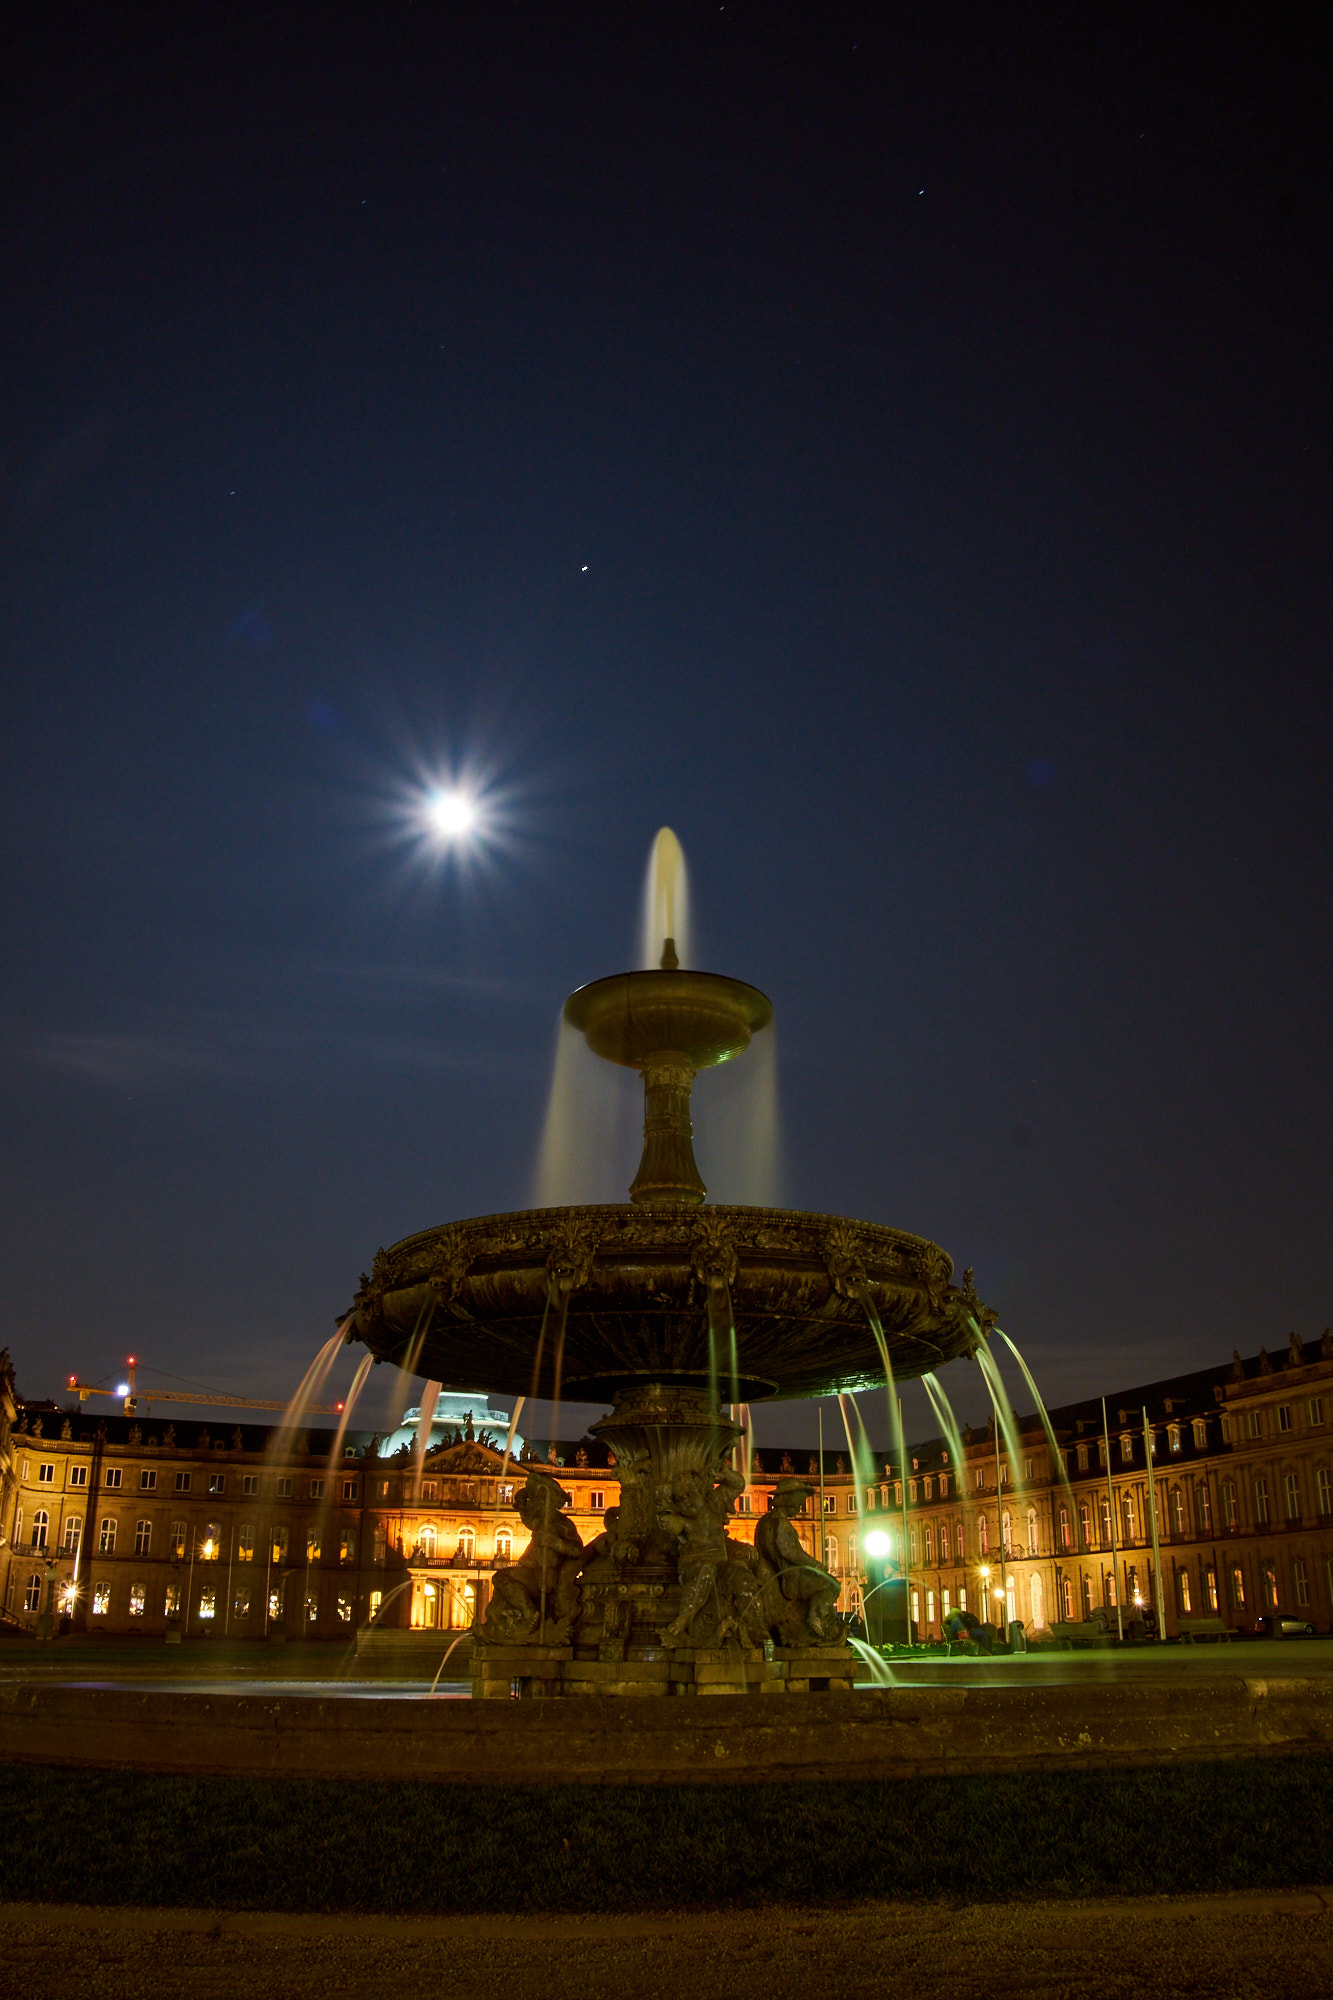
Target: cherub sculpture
x,y
695,1509
536,1599
801,1593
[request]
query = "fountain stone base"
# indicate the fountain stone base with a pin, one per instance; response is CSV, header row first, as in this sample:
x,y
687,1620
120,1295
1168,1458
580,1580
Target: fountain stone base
x,y
664,1600
507,1672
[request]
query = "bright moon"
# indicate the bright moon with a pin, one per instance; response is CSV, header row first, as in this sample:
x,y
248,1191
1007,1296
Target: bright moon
x,y
451,815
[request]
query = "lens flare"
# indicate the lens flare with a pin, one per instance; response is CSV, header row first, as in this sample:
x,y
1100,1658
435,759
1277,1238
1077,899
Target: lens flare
x,y
452,815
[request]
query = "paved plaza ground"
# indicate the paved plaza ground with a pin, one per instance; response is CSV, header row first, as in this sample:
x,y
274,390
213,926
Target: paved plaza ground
x,y
1266,1947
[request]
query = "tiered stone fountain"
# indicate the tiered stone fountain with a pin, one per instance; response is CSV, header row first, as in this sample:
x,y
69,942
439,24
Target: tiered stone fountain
x,y
672,1312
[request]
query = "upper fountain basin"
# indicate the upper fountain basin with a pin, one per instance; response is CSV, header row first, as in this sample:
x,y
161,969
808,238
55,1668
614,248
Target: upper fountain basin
x,y
637,1283
631,1017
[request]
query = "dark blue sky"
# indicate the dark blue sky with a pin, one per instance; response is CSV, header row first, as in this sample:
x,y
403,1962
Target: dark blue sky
x,y
939,402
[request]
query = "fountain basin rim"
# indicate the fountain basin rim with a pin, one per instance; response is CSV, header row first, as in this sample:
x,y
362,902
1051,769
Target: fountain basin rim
x,y
637,1281
629,1017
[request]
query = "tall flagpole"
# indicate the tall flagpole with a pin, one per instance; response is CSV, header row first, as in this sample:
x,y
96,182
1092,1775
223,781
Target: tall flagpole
x,y
1110,1505
1152,1516
823,1538
907,1566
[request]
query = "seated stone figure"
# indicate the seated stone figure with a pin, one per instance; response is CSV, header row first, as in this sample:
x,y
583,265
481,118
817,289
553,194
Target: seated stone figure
x,y
545,1577
720,1587
800,1593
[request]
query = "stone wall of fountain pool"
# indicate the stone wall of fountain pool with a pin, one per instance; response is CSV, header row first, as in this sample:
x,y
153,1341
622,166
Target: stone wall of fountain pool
x,y
1082,1718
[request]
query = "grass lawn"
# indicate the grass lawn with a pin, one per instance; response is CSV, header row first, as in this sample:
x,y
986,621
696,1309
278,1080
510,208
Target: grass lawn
x,y
301,1844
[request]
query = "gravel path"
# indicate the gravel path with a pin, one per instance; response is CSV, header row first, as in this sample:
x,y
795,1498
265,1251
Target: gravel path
x,y
1249,1947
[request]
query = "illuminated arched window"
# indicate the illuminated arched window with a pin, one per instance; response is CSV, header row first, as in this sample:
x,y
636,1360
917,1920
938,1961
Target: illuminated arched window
x,y
504,1546
426,1540
830,1552
41,1521
467,1543
106,1537
32,1596
1032,1532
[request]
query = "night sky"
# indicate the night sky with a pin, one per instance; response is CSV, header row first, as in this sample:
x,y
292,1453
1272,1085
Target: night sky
x,y
890,445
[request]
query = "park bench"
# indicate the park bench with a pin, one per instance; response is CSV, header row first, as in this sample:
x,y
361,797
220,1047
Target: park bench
x,y
1083,1633
1191,1629
1087,1633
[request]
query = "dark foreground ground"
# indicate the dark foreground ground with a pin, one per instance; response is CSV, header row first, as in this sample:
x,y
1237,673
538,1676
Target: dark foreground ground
x,y
1258,1947
397,1848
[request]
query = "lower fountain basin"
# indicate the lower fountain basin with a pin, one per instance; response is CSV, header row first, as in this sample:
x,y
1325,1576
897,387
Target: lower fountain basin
x,y
638,1280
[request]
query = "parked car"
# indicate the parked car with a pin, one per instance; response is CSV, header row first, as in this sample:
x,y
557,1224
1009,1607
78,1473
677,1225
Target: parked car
x,y
1284,1626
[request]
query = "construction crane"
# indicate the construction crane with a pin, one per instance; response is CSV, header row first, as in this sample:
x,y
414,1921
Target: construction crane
x,y
131,1398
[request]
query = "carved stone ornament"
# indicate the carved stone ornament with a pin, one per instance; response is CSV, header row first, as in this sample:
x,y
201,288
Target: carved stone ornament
x,y
628,1277
452,1261
713,1251
1296,1352
569,1265
844,1257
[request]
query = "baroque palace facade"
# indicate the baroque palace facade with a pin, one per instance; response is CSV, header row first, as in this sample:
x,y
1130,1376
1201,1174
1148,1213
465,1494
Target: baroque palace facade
x,y
129,1526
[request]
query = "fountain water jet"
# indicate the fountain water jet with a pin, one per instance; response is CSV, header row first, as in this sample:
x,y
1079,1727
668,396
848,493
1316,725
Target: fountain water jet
x,y
1057,1456
424,1420
666,901
948,1422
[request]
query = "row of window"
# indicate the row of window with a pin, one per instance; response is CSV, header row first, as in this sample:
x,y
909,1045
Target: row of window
x,y
428,1543
1302,1588
210,1545
245,1602
1177,1511
1175,1519
113,1476
1254,1427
